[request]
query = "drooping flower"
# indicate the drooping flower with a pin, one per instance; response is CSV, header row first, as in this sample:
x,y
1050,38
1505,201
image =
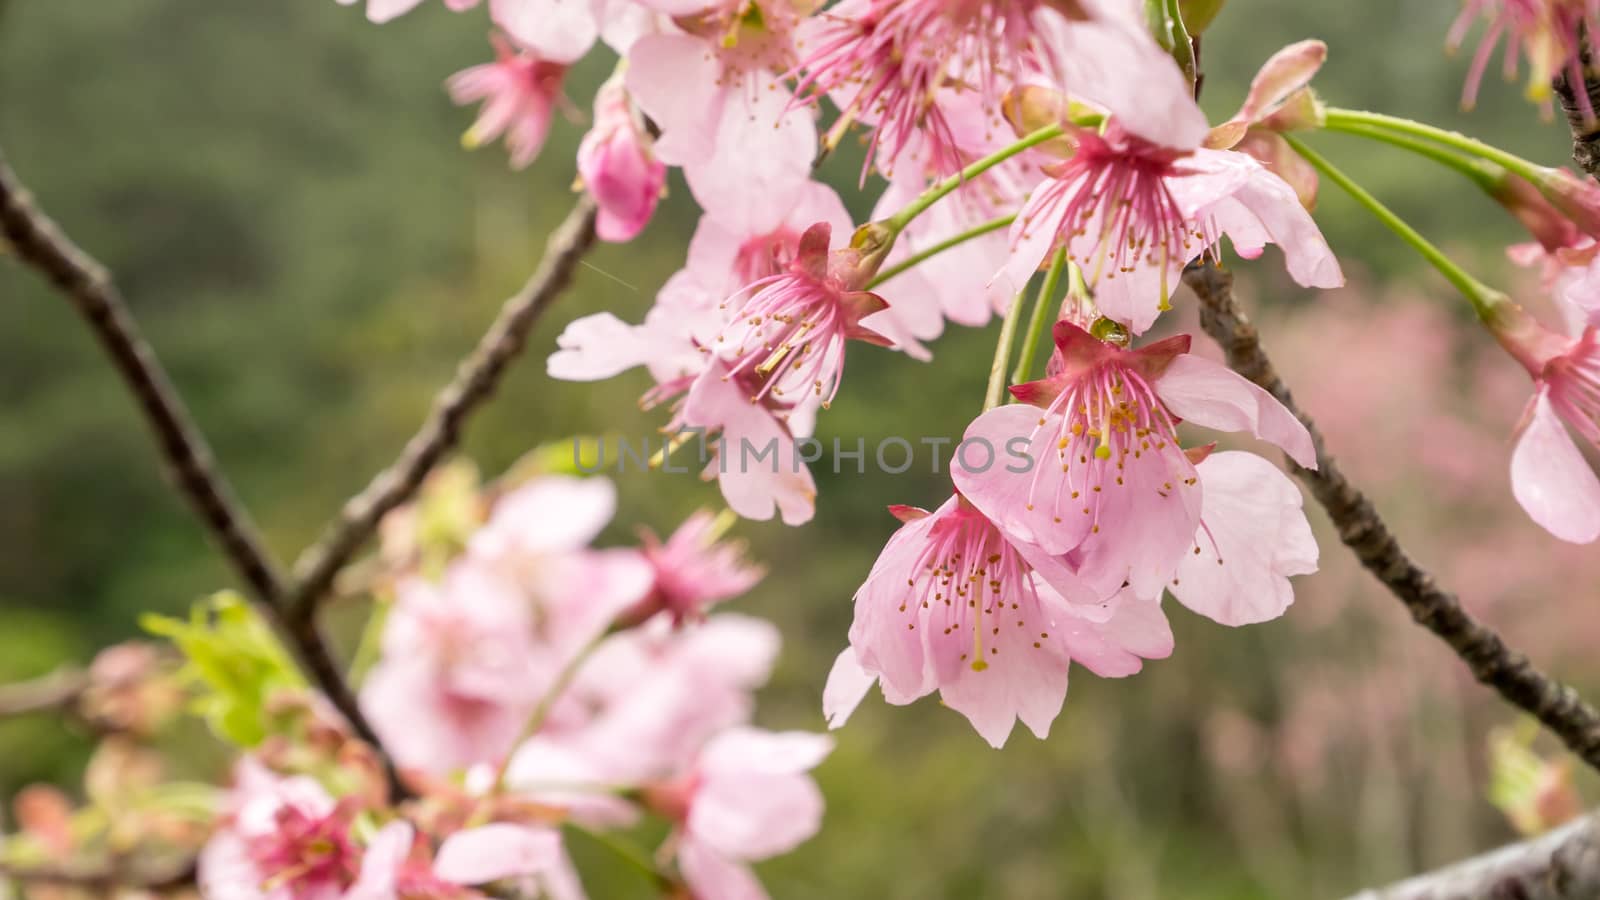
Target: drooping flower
x,y
1548,33
618,168
694,570
1549,475
886,61
519,91
746,798
1140,198
1107,479
713,88
955,605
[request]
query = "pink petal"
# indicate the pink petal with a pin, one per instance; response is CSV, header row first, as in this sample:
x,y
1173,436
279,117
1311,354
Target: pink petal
x,y
677,82
714,877
1551,478
493,852
1158,105
754,487
380,867
1026,676
1253,536
1285,72
600,346
557,30
1137,630
1265,209
380,11
1211,395
762,156
846,687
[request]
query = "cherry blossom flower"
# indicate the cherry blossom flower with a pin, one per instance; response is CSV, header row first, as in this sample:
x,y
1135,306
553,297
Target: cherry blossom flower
x,y
747,797
459,672
618,167
655,694
1549,475
284,839
1549,33
519,90
1139,199
955,605
1107,479
1280,99
886,62
693,570
724,114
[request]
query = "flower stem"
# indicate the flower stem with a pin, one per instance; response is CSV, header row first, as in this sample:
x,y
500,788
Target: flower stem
x,y
1362,122
1002,353
1487,175
952,241
1041,308
1484,299
898,222
541,712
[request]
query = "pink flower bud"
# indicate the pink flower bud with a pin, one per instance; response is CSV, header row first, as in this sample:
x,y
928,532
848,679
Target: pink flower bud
x,y
618,167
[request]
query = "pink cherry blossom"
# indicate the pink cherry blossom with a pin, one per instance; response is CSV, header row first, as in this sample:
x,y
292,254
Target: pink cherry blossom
x,y
284,839
1549,475
693,570
886,62
1106,478
657,693
1132,213
1547,32
519,90
459,672
618,167
381,11
955,605
723,111
1280,99
748,797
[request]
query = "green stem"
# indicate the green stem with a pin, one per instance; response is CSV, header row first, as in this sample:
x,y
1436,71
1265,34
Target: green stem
x,y
1361,122
953,241
1002,354
1041,308
1487,175
1485,300
898,222
542,712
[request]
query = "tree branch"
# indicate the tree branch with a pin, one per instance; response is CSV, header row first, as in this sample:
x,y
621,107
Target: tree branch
x,y
475,382
40,243
1361,529
1561,865
53,692
1585,130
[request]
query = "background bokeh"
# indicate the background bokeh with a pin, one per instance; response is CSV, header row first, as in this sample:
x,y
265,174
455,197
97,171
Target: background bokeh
x,y
280,190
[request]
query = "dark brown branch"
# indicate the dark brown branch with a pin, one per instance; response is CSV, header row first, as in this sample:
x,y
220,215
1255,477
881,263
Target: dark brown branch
x,y
1585,128
55,692
1561,865
1361,529
475,382
37,241
40,243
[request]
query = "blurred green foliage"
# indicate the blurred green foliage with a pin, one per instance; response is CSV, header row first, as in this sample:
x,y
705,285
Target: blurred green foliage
x,y
280,191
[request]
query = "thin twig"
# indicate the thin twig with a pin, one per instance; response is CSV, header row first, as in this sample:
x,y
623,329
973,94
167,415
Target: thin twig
x,y
1361,529
37,241
55,692
1561,865
40,243
475,382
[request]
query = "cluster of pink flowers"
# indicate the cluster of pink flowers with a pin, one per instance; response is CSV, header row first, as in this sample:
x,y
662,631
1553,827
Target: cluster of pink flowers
x,y
534,683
